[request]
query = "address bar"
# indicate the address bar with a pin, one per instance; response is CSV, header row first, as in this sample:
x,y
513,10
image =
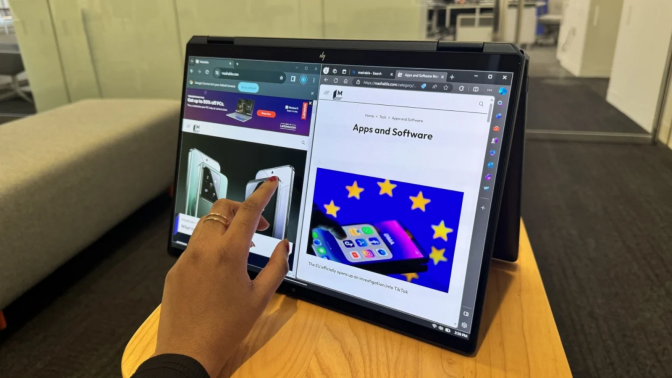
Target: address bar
x,y
465,103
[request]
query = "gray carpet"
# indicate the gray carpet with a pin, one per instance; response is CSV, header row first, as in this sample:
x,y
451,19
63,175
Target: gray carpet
x,y
16,107
575,105
544,62
599,218
78,321
11,110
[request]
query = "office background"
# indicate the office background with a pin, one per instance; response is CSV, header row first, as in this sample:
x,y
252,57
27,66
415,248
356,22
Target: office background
x,y
596,197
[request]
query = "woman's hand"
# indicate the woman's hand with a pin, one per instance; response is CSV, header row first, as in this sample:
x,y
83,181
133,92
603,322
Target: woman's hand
x,y
209,302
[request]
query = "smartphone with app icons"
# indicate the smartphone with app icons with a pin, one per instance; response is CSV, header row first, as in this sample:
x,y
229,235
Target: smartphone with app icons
x,y
364,245
385,247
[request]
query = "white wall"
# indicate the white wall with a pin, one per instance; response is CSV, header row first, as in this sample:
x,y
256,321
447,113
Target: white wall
x,y
588,36
256,18
375,19
528,29
40,54
78,69
601,32
76,49
572,37
665,132
639,61
555,6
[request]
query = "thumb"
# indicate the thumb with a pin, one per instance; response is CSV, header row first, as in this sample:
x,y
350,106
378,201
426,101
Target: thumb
x,y
274,272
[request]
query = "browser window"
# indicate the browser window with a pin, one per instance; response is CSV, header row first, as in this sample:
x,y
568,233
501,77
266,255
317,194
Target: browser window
x,y
245,121
385,175
409,166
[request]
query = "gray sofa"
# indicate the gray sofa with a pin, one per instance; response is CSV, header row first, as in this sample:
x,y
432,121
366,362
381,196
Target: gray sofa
x,y
69,175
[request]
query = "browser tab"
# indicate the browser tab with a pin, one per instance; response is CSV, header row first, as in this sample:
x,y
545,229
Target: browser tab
x,y
373,72
205,62
421,76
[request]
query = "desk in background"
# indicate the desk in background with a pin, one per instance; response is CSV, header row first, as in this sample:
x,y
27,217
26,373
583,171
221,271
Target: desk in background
x,y
482,19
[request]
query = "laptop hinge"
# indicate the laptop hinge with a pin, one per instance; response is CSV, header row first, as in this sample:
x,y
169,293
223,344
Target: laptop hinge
x,y
500,48
337,44
460,46
221,40
363,45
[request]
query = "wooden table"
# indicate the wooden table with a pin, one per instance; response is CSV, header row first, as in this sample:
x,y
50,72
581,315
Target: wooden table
x,y
297,339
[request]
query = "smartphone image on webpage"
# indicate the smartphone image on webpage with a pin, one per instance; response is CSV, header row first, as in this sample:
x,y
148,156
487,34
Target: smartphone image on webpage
x,y
195,159
212,186
364,245
385,247
277,210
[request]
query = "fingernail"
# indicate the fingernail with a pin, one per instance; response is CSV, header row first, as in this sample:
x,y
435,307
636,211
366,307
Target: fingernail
x,y
272,178
287,247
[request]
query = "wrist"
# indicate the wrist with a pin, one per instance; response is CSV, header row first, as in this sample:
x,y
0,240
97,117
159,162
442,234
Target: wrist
x,y
211,362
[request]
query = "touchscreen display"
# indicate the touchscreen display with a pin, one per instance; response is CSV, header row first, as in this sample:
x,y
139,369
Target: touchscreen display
x,y
385,175
269,211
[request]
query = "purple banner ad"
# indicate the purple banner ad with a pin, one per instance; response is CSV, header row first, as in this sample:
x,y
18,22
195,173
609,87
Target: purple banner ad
x,y
282,115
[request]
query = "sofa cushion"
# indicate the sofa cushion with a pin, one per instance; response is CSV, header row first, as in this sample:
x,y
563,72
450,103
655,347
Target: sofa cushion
x,y
69,175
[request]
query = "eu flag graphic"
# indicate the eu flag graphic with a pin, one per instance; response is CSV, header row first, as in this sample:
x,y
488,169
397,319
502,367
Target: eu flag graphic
x,y
430,215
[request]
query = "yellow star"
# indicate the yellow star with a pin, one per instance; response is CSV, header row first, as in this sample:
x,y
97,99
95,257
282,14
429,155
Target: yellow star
x,y
386,187
437,255
332,209
419,202
354,190
410,276
441,231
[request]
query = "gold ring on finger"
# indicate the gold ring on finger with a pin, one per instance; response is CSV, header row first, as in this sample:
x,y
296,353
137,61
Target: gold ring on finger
x,y
217,218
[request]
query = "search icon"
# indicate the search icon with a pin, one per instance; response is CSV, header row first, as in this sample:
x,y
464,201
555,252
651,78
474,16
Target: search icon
x,y
480,103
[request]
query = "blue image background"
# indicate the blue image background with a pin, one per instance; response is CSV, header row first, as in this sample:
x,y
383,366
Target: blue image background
x,y
373,207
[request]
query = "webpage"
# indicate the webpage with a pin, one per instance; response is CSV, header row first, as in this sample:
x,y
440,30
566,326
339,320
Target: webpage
x,y
400,172
232,141
382,190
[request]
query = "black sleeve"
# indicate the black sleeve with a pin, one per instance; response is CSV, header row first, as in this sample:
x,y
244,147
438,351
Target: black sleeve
x,y
171,366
